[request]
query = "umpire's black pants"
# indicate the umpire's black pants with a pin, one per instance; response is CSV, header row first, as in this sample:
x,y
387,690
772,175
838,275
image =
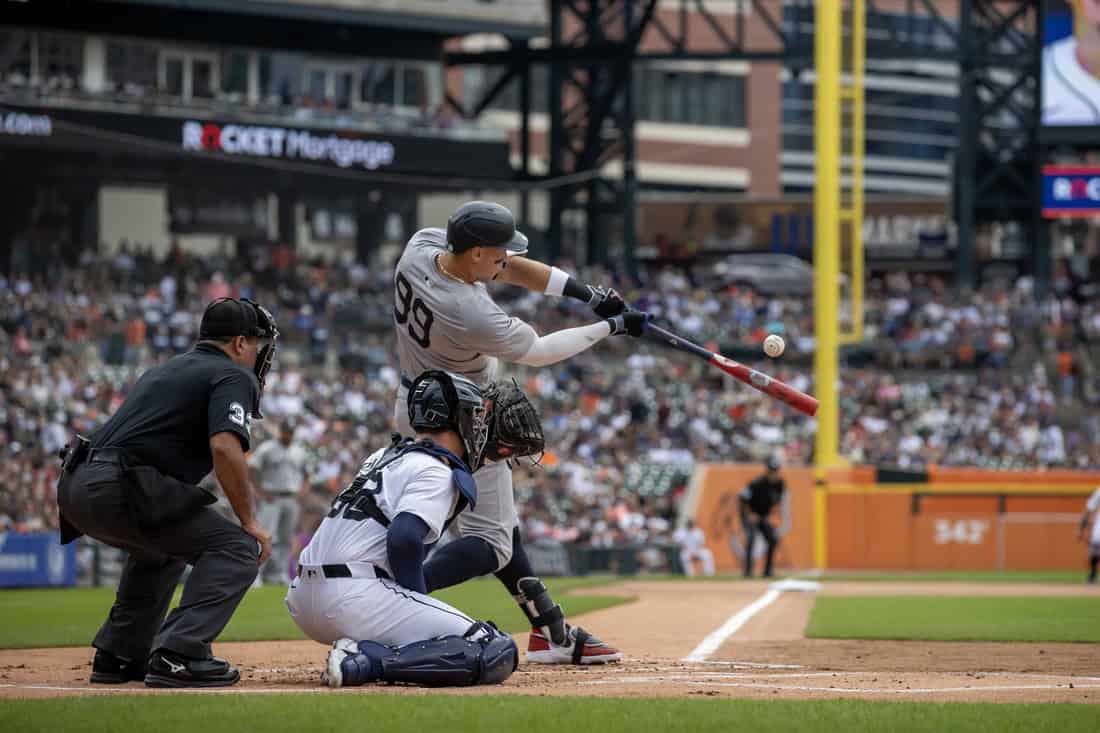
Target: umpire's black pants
x,y
224,559
764,527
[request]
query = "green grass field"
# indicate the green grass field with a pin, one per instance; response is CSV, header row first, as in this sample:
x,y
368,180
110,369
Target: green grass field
x,y
964,618
42,618
268,713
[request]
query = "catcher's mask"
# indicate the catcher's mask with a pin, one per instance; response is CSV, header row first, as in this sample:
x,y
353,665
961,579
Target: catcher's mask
x,y
229,317
440,400
515,429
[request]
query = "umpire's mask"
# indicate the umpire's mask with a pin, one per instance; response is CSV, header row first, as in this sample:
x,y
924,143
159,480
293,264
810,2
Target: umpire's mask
x,y
228,317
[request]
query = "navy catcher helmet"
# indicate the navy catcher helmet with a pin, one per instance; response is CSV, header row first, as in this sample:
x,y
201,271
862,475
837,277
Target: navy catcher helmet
x,y
484,224
440,400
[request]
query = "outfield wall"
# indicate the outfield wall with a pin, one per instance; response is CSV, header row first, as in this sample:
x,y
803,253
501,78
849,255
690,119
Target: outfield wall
x,y
946,519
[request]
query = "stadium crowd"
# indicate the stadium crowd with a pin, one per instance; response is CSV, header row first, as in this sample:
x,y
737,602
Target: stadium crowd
x,y
946,383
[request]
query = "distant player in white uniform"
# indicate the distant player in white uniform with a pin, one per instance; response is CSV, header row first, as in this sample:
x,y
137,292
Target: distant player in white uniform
x,y
1071,71
693,546
446,319
1092,511
361,584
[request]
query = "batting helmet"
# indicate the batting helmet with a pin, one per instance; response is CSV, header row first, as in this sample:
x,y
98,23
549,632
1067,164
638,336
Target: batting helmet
x,y
484,224
440,400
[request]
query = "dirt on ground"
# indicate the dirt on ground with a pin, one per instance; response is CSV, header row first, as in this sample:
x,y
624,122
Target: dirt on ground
x,y
765,657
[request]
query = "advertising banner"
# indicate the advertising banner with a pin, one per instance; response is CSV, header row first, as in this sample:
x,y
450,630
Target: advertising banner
x,y
35,560
333,149
1071,191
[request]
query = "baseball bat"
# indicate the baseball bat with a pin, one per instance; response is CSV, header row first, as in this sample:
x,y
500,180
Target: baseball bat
x,y
759,381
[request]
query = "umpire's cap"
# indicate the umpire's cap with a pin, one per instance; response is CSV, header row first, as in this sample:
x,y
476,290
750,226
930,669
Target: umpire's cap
x,y
228,317
772,463
484,224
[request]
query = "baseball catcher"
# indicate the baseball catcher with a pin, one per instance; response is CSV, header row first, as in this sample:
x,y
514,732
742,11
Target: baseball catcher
x,y
360,584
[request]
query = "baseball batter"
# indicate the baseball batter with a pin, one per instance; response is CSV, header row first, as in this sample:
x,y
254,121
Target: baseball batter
x,y
361,582
446,319
1092,510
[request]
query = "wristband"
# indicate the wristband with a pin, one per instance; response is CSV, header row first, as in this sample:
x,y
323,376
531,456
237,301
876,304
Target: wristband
x,y
558,280
583,293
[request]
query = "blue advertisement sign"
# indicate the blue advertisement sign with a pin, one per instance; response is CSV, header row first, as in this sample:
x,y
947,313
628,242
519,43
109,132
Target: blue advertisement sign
x,y
1071,191
36,560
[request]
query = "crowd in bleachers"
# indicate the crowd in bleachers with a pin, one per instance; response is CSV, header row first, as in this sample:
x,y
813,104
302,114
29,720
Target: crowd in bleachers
x,y
73,338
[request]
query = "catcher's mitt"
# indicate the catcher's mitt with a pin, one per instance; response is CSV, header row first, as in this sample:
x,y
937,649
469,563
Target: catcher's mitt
x,y
515,429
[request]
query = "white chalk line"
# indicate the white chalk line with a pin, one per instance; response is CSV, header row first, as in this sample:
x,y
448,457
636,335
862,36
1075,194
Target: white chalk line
x,y
751,665
710,644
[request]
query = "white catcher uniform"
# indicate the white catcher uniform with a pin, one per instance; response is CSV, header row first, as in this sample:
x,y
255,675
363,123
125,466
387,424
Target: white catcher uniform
x,y
367,606
457,327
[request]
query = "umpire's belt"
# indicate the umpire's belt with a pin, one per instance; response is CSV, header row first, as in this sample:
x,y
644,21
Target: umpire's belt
x,y
342,570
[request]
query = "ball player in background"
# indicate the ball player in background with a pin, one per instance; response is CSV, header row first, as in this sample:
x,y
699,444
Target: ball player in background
x,y
360,582
1092,510
693,546
446,319
1071,71
757,501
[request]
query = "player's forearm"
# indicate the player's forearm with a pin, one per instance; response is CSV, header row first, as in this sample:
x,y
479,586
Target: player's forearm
x,y
232,472
561,345
539,277
526,273
405,550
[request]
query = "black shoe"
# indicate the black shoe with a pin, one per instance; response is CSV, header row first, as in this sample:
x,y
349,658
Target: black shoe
x,y
167,669
107,669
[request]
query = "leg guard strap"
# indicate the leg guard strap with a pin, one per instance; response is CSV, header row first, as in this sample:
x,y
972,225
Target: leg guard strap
x,y
540,609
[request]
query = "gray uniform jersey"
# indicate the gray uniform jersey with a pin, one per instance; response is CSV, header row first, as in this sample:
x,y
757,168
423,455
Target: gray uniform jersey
x,y
445,324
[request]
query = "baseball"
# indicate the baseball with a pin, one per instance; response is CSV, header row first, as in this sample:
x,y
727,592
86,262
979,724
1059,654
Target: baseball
x,y
774,345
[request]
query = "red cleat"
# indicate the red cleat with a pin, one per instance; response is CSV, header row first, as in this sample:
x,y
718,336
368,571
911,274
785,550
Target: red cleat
x,y
583,649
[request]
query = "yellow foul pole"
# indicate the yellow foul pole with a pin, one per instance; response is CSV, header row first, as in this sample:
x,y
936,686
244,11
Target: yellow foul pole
x,y
851,205
827,41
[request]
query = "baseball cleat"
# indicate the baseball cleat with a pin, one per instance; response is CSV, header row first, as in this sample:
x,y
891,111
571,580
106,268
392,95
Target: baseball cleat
x,y
583,649
107,669
172,670
333,676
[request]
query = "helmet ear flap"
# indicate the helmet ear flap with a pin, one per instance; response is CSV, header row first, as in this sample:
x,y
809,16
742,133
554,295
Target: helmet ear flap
x,y
431,402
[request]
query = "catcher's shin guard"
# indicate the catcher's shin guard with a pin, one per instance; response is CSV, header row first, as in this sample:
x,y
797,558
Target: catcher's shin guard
x,y
481,656
541,611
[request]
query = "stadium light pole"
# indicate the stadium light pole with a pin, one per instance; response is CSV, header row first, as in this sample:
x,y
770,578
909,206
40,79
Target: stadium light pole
x,y
827,45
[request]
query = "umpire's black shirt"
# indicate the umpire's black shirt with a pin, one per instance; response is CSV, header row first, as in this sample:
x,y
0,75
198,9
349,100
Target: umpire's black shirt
x,y
762,494
173,410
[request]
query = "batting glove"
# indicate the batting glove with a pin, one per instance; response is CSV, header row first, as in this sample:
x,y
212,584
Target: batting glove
x,y
606,302
630,322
